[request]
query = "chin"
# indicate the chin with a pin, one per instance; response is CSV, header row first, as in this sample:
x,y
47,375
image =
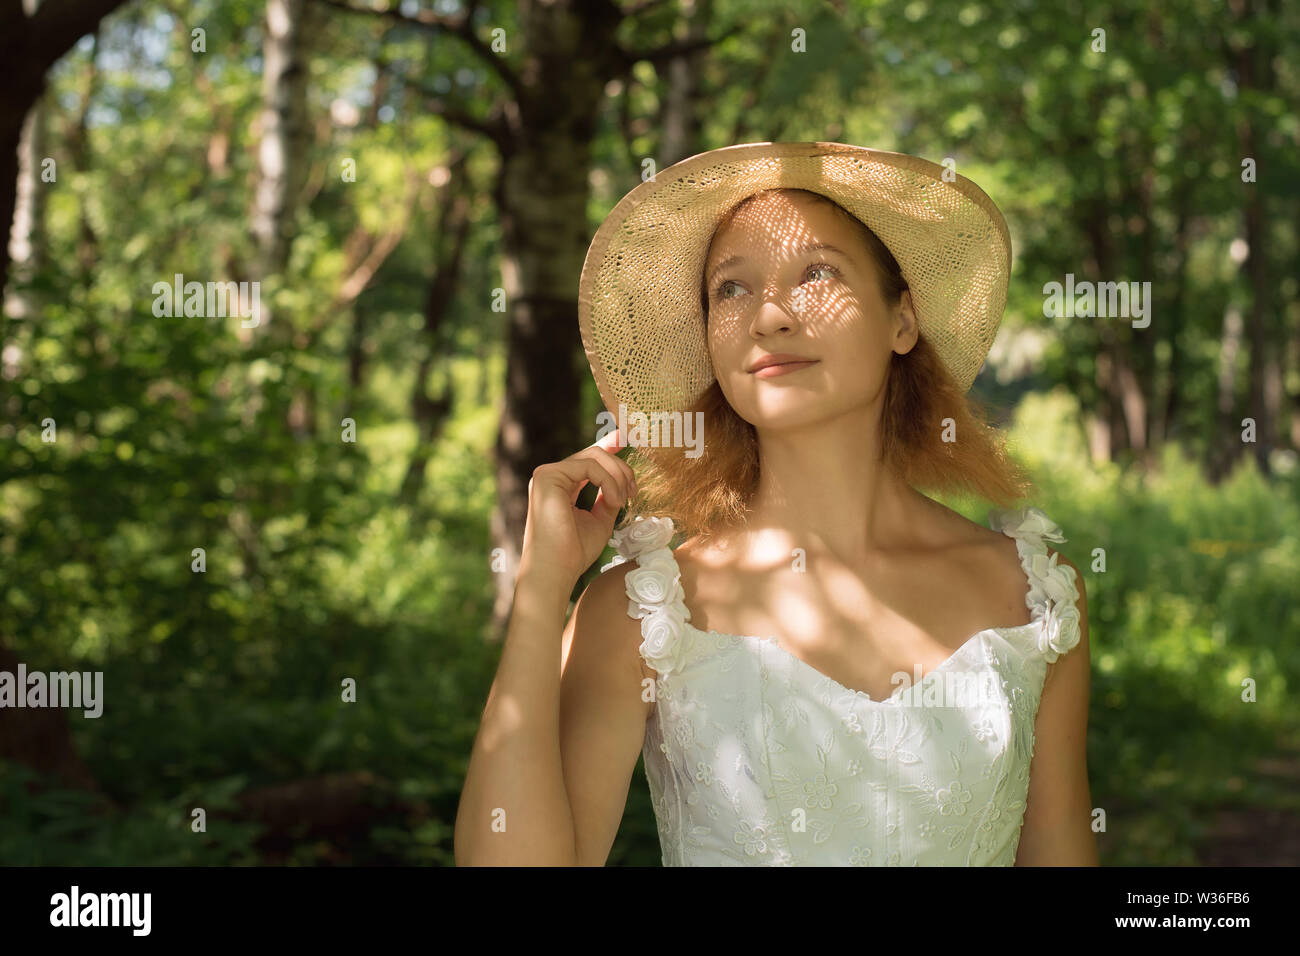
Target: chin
x,y
787,414
801,409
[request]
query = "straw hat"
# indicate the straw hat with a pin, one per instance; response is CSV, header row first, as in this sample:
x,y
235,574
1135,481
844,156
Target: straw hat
x,y
639,296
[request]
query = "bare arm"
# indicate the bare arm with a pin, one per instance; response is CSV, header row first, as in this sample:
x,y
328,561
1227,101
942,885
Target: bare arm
x,y
1057,828
560,777
513,808
603,712
549,772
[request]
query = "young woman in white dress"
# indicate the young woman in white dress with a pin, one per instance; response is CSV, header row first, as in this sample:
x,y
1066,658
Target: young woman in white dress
x,y
833,668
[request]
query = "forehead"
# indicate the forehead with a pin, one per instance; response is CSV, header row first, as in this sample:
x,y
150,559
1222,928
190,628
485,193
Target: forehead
x,y
779,223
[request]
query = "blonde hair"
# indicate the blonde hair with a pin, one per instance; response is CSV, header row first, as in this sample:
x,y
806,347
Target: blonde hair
x,y
716,488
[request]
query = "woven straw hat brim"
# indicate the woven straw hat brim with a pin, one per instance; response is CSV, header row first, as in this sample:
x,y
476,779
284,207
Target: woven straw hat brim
x,y
639,296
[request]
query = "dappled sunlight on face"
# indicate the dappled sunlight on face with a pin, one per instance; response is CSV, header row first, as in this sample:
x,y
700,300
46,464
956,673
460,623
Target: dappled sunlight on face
x,y
787,276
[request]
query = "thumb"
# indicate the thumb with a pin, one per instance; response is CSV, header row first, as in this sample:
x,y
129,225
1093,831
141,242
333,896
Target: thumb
x,y
605,508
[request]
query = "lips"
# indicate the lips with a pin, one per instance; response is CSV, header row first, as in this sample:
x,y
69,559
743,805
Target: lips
x,y
772,371
779,364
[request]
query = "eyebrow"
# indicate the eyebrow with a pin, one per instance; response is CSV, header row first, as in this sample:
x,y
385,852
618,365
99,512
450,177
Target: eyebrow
x,y
801,251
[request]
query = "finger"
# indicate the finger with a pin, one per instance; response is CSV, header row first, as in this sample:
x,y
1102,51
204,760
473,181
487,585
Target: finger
x,y
579,471
613,486
614,464
606,506
611,442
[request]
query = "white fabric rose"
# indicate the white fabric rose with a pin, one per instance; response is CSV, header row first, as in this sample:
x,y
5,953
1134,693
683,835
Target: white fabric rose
x,y
654,591
657,584
1053,592
618,559
1056,581
662,560
663,638
1060,631
1032,521
643,534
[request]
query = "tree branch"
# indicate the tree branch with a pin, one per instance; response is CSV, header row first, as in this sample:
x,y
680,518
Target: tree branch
x,y
460,27
641,6
58,24
493,126
669,51
364,253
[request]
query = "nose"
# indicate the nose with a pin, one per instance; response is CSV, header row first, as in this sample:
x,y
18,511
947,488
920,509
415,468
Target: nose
x,y
773,317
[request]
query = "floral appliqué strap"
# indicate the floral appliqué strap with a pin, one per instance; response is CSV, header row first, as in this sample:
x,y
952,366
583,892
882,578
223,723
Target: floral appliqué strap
x,y
1052,597
654,590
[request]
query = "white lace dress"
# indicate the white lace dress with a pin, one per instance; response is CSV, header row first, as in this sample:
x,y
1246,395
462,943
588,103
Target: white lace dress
x,y
755,758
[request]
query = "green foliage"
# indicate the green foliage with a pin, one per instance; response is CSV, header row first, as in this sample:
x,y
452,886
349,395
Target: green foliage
x,y
176,434
1191,591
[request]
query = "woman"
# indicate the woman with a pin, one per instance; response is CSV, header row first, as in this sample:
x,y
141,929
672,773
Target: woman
x,y
833,669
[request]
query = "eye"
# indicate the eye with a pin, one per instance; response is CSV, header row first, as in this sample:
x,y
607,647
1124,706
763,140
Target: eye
x,y
820,266
719,291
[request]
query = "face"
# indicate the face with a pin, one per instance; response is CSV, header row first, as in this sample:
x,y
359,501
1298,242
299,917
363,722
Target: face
x,y
772,293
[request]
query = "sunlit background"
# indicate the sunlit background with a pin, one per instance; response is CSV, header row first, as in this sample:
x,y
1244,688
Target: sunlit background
x,y
233,512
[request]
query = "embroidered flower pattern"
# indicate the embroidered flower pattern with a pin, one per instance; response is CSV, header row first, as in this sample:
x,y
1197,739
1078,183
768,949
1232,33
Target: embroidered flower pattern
x,y
820,791
953,799
752,838
984,730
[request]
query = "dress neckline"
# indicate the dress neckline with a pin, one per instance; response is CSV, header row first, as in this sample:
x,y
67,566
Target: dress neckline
x,y
897,693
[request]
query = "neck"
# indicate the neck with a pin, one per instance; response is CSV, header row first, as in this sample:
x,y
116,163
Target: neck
x,y
825,485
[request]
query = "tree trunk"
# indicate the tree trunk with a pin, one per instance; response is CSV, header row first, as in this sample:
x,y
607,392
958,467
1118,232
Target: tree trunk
x,y
26,239
680,116
566,51
1165,422
1294,362
83,162
32,39
430,413
38,737
1225,444
542,193
285,130
1109,437
1255,74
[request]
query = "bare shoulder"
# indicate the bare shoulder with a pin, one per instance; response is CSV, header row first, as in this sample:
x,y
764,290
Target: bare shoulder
x,y
602,607
706,552
980,561
715,570
602,625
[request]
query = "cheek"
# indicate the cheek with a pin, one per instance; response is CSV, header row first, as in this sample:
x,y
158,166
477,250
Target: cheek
x,y
857,361
728,369
728,357
725,350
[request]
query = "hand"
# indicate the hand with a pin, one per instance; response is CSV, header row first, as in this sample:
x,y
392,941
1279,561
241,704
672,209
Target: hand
x,y
561,538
